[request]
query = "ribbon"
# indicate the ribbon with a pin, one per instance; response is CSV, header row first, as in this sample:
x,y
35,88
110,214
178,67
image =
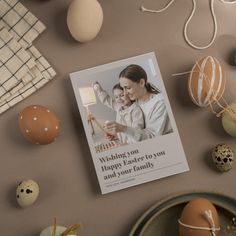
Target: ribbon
x,y
143,9
209,218
70,230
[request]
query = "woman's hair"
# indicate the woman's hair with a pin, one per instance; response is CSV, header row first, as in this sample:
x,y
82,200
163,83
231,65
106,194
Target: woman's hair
x,y
117,86
135,73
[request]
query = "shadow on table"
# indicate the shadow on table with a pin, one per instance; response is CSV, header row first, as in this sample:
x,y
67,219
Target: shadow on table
x,y
82,140
207,158
227,48
61,28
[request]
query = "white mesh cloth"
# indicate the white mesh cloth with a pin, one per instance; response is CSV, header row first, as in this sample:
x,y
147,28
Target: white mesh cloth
x,y
23,69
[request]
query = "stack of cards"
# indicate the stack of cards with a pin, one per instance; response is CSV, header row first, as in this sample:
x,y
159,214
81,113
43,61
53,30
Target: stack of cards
x,y
23,70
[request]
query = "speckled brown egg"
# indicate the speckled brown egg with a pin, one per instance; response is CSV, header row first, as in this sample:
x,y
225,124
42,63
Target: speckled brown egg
x,y
199,218
39,125
223,157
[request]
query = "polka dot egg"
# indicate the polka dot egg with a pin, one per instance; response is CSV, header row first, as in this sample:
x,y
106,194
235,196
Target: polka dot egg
x,y
27,193
223,157
39,125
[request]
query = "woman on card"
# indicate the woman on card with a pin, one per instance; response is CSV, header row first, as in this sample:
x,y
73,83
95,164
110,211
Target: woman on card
x,y
133,80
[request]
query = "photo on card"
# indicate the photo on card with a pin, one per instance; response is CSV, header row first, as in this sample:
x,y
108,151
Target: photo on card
x,y
128,122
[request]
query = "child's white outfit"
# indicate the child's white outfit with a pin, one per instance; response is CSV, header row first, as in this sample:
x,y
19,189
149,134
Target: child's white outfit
x,y
130,117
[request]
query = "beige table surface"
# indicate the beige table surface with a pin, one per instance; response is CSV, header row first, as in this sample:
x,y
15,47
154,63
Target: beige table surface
x,y
64,169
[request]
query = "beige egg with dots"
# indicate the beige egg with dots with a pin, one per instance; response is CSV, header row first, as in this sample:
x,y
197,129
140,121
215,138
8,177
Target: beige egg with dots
x,y
39,125
27,192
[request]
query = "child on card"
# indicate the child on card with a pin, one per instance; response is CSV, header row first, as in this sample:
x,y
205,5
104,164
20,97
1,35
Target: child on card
x,y
128,112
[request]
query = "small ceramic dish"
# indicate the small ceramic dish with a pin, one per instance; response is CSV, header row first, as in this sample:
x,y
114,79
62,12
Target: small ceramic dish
x,y
162,218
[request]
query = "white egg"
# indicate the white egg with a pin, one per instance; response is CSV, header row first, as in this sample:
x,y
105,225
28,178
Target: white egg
x,y
27,193
84,19
59,230
229,120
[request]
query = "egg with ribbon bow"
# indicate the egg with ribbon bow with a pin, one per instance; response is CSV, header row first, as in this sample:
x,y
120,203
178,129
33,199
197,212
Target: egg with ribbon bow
x,y
57,230
199,218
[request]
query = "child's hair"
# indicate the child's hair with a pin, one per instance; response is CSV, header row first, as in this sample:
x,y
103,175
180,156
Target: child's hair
x,y
117,86
135,73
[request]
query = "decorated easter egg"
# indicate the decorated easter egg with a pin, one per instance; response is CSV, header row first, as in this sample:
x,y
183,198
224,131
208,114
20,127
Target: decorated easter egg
x,y
229,119
61,230
223,157
206,83
49,231
199,218
38,124
27,193
84,19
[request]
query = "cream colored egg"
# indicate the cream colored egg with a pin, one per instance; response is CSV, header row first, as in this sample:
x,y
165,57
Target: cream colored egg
x,y
84,19
59,230
229,120
27,193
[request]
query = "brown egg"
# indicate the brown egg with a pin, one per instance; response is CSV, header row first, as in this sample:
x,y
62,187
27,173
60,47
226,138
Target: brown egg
x,y
39,125
197,217
206,83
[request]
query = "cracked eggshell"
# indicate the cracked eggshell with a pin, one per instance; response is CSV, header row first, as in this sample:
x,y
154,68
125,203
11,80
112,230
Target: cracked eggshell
x,y
39,125
27,193
84,19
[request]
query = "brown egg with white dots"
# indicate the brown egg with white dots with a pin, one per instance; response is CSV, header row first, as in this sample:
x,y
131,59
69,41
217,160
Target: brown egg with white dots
x,y
39,125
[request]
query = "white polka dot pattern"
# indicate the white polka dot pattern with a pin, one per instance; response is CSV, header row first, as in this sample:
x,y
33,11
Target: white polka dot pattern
x,y
38,125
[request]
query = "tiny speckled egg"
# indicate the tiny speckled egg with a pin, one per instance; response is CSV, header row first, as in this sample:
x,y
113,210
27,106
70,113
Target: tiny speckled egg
x,y
200,213
27,193
229,120
223,157
59,230
39,125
